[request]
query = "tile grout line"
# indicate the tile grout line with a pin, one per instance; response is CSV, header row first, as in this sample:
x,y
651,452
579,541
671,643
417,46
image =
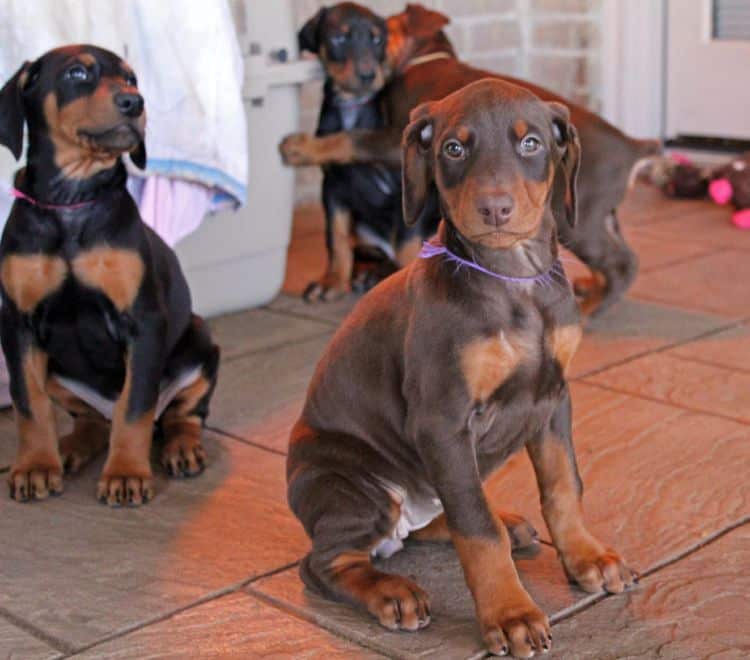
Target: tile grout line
x,y
731,325
681,260
708,363
671,404
56,643
244,441
274,347
339,631
305,317
206,598
588,601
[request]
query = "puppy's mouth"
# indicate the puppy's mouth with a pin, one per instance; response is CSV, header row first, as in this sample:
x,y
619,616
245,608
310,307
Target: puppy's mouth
x,y
119,138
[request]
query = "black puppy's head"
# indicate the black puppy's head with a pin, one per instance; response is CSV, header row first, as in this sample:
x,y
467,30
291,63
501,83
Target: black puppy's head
x,y
82,107
496,156
351,43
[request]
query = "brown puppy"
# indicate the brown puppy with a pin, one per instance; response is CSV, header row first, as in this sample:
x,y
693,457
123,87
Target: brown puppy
x,y
426,69
447,368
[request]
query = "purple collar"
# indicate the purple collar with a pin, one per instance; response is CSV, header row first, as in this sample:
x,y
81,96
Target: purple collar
x,y
47,207
434,249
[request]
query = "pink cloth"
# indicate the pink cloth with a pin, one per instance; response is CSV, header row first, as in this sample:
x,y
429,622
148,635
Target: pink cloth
x,y
720,191
173,208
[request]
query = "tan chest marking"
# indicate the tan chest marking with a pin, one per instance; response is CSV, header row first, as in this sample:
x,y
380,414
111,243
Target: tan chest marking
x,y
564,342
488,362
28,279
117,273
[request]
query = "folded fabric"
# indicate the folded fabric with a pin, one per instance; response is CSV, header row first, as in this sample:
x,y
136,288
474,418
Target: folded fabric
x,y
190,70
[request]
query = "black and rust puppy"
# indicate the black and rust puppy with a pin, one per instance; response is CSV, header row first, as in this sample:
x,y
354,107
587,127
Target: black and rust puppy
x,y
95,309
350,41
448,367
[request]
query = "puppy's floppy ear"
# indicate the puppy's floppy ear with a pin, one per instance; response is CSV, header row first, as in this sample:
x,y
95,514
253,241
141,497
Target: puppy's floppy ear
x,y
416,164
12,115
423,23
563,200
138,155
308,37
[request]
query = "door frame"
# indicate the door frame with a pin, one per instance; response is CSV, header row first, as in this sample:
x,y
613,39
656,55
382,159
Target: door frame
x,y
633,65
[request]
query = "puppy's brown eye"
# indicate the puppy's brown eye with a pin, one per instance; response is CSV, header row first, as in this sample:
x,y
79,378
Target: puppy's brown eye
x,y
454,149
77,72
530,145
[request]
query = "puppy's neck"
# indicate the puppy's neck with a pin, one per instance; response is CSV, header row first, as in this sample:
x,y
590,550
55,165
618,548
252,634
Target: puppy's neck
x,y
43,180
527,258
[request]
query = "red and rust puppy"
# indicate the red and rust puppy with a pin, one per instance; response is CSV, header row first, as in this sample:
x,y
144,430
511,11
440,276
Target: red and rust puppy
x,y
448,367
427,69
95,309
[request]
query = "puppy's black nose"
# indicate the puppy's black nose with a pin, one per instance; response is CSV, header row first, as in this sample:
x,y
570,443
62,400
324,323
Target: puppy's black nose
x,y
131,105
367,78
496,210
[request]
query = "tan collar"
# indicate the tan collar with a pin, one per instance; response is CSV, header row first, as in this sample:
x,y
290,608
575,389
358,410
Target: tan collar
x,y
422,59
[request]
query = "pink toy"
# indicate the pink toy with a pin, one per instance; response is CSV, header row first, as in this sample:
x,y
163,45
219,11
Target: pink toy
x,y
720,191
742,219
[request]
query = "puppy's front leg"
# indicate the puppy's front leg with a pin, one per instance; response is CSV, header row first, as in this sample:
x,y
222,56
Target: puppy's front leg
x,y
37,470
585,559
127,477
508,617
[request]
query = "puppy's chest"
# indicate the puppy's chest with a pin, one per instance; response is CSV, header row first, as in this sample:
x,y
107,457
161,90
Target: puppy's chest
x,y
30,279
518,365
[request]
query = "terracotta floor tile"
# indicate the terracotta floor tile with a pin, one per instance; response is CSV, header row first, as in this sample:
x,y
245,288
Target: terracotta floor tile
x,y
633,327
237,626
710,226
716,283
260,329
646,205
453,632
260,396
696,608
657,479
17,644
682,382
729,349
80,570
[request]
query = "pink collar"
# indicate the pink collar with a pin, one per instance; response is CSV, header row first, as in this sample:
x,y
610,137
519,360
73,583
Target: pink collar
x,y
47,207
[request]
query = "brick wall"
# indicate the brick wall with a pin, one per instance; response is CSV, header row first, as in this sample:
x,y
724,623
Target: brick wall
x,y
554,43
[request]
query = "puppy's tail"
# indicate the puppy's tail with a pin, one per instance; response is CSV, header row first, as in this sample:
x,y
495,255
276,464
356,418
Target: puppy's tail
x,y
648,153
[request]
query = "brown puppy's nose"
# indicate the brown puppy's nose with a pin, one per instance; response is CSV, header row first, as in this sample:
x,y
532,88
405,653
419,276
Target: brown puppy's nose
x,y
130,105
496,210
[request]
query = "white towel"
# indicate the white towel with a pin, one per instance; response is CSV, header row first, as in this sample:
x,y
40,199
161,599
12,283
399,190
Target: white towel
x,y
189,67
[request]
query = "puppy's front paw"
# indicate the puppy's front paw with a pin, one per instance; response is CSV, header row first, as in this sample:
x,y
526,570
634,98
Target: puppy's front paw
x,y
517,626
326,290
183,456
35,482
398,603
119,490
595,568
297,150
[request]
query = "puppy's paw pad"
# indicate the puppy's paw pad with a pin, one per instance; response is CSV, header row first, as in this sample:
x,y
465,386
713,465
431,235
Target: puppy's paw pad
x,y
323,292
183,457
520,633
125,491
36,483
399,604
605,571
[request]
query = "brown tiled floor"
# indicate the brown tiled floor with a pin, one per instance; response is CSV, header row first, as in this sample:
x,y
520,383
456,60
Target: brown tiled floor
x,y
662,426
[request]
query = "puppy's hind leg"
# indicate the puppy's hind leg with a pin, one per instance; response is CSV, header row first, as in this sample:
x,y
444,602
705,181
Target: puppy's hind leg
x,y
182,421
346,520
